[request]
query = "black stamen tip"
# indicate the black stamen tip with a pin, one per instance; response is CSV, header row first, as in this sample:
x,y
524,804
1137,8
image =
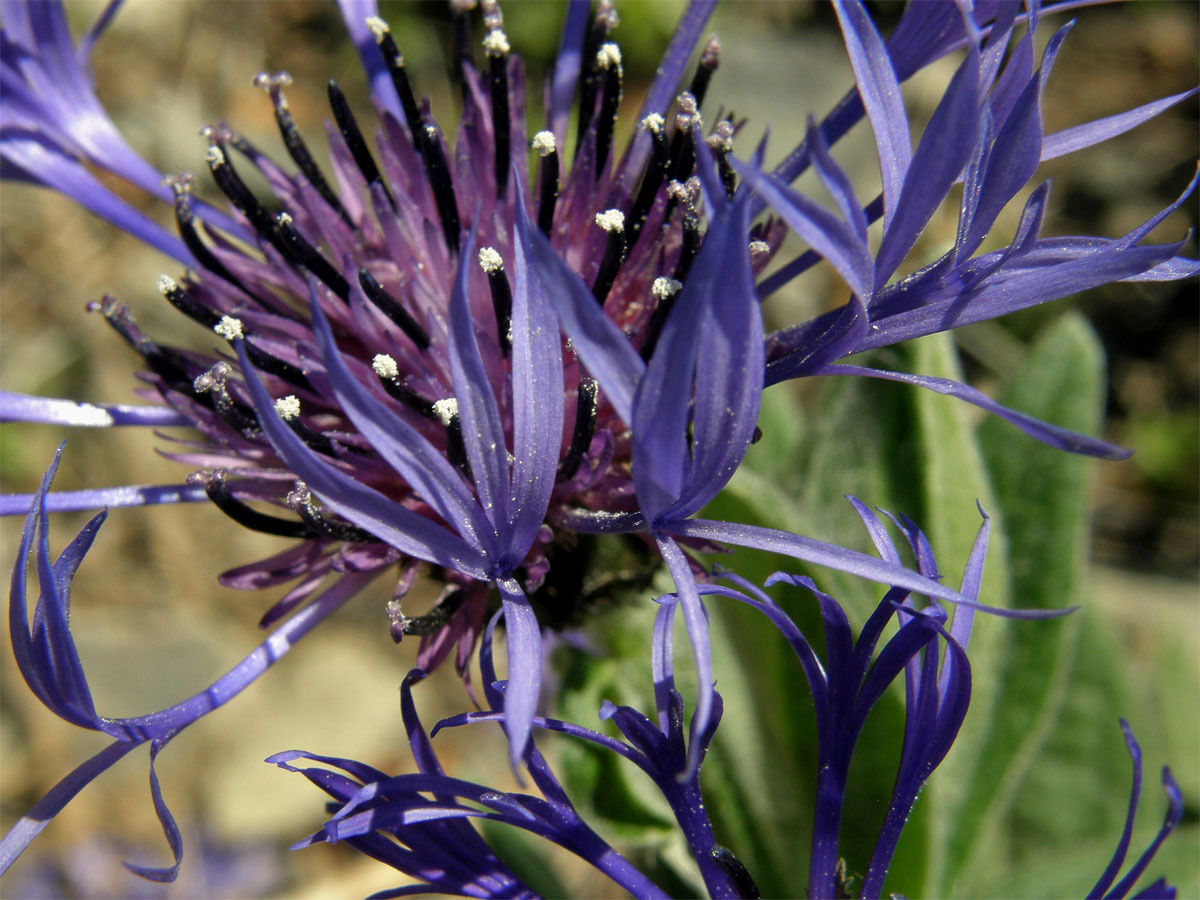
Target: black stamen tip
x,y
305,254
348,126
543,142
218,492
496,45
493,267
608,60
585,428
390,307
612,221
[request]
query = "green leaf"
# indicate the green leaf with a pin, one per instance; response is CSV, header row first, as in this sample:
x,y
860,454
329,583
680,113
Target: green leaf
x,y
1042,494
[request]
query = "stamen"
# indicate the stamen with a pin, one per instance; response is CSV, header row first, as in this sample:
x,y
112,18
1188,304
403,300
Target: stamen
x,y
235,415
493,267
652,178
496,47
186,303
185,222
305,254
683,155
585,428
448,604
461,56
426,145
163,362
612,221
348,126
301,500
664,290
446,410
710,59
602,25
389,376
391,308
215,487
239,195
297,149
608,61
722,144
544,144
288,408
758,248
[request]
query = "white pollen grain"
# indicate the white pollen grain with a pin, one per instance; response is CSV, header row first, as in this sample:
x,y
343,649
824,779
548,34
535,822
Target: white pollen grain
x,y
608,56
229,328
654,123
166,284
612,221
385,366
378,27
665,287
490,260
214,156
445,410
496,43
543,142
288,407
758,248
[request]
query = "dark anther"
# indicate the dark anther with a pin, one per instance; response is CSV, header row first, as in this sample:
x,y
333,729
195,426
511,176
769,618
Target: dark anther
x,y
237,416
390,307
272,365
613,222
589,79
427,145
296,147
163,362
585,428
447,605
683,154
185,222
456,450
239,195
316,441
186,303
652,178
462,55
722,143
665,291
757,436
308,256
496,45
709,60
217,491
354,140
737,872
493,267
400,391
608,60
301,501
690,246
543,143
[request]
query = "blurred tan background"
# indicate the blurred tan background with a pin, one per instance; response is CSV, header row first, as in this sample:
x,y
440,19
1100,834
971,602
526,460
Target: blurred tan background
x,y
152,623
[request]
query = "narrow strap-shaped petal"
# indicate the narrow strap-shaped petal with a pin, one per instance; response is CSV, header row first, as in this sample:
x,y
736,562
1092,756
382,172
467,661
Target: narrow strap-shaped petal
x,y
407,451
561,88
1078,137
392,523
662,657
696,621
50,411
1062,438
944,149
524,667
482,430
105,498
31,824
1171,820
880,92
843,560
537,380
1118,858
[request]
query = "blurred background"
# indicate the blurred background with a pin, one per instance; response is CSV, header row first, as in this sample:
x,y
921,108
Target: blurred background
x,y
151,620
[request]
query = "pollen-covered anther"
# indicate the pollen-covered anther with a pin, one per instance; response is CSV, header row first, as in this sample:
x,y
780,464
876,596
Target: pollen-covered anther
x,y
496,43
653,123
212,378
378,27
612,221
181,184
288,408
687,116
490,260
608,56
758,248
228,328
662,288
723,138
299,496
446,410
385,366
543,142
166,284
214,156
272,81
